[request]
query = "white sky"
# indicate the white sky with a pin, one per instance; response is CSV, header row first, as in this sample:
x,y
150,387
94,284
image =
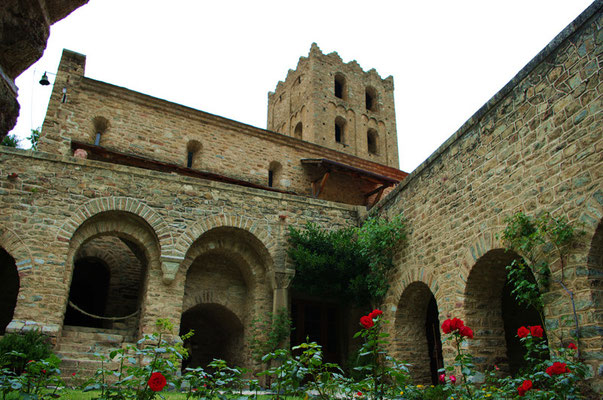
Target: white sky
x,y
448,57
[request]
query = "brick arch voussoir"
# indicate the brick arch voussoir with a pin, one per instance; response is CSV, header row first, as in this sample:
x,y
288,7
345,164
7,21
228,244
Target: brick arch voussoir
x,y
198,228
125,204
18,250
591,216
409,277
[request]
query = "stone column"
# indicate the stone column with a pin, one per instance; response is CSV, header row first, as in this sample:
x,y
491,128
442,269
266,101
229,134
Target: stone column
x,y
280,295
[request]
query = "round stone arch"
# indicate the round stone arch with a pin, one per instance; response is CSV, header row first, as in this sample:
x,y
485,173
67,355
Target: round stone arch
x,y
494,314
17,258
124,225
257,229
416,333
228,267
128,205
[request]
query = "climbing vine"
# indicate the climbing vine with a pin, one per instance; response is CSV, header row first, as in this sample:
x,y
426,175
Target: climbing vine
x,y
351,264
538,240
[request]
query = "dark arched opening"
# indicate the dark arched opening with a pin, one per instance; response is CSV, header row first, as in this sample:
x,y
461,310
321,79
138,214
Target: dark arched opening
x,y
371,141
495,315
418,333
9,289
434,340
218,335
340,87
298,131
89,289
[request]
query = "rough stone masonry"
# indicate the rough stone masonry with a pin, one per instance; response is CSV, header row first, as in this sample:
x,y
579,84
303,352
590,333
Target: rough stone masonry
x,y
165,211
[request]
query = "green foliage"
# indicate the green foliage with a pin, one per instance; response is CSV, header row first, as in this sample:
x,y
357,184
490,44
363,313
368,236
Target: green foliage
x,y
137,363
17,349
269,333
351,264
34,138
534,238
10,140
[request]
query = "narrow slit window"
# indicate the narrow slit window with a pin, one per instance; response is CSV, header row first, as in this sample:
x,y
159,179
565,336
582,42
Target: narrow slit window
x,y
340,130
340,86
371,141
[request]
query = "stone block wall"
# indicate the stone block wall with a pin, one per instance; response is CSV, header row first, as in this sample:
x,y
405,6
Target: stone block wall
x,y
55,206
536,146
136,124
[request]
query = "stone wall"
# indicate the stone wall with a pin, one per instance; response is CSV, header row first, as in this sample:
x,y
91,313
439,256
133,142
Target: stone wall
x,y
56,207
535,146
139,125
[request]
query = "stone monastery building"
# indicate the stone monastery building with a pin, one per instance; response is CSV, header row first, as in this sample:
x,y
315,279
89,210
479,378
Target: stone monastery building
x,y
140,208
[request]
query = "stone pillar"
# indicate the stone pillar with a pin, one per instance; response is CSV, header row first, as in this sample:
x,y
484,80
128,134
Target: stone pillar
x,y
280,287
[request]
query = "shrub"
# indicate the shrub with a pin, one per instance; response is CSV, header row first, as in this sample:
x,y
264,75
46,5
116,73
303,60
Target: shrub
x,y
17,349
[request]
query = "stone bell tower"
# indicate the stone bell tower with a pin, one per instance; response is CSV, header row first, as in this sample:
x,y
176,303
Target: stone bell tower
x,y
337,105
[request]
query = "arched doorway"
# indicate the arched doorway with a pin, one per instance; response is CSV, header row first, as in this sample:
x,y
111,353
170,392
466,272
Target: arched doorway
x,y
89,289
495,315
218,335
417,333
110,254
9,288
226,276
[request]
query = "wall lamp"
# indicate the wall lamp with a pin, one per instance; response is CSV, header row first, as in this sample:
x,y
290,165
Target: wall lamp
x,y
44,81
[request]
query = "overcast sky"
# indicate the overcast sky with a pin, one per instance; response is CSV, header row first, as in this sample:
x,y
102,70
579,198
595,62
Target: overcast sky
x,y
447,57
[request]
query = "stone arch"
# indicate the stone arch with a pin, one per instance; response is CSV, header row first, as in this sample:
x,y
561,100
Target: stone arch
x,y
19,275
12,243
133,233
493,313
240,244
417,332
256,228
229,267
125,204
223,337
9,288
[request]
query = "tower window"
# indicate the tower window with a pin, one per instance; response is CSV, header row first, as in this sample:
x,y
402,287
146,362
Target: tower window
x,y
339,130
274,173
193,152
371,141
101,124
298,130
340,86
371,99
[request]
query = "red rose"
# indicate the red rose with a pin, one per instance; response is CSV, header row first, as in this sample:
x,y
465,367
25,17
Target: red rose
x,y
157,382
452,325
523,332
536,331
456,324
453,379
359,394
524,387
366,321
73,374
572,346
446,326
375,313
557,368
466,331
443,378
